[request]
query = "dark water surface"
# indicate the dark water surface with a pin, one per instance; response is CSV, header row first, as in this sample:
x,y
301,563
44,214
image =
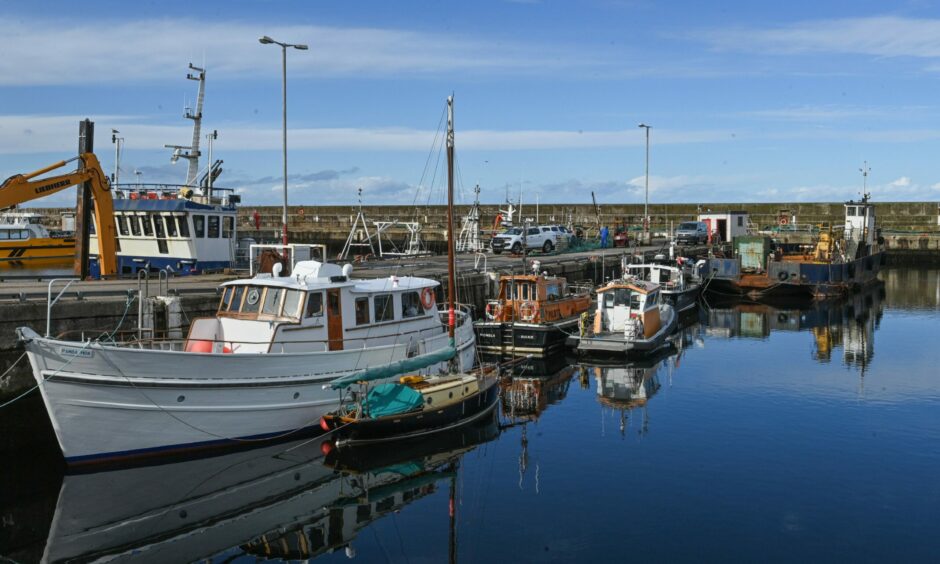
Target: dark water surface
x,y
790,433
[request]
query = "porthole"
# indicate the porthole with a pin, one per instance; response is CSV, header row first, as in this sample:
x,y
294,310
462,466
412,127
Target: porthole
x,y
181,399
450,395
429,400
183,514
466,389
296,395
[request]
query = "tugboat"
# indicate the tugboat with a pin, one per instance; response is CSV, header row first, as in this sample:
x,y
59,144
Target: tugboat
x,y
841,260
533,314
415,406
630,319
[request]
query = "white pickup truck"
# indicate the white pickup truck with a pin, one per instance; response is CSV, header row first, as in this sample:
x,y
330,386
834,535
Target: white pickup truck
x,y
546,238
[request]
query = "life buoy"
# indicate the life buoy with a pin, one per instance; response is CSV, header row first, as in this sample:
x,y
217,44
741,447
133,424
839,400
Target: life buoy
x,y
427,298
494,311
527,311
784,220
783,275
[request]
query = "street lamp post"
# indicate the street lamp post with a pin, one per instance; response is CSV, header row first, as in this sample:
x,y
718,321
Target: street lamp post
x,y
646,204
265,40
118,141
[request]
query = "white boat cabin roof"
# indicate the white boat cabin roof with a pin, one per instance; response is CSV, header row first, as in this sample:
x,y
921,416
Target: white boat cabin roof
x,y
315,275
641,286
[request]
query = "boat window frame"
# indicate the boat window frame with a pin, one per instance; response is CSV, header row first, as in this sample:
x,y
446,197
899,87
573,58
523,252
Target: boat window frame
x,y
228,226
387,312
367,319
210,219
134,225
122,225
256,305
146,225
238,294
169,220
279,299
417,304
182,221
199,227
226,299
298,307
308,301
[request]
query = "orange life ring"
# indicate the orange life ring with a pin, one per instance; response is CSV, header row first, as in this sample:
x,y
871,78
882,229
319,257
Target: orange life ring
x,y
427,298
784,220
527,311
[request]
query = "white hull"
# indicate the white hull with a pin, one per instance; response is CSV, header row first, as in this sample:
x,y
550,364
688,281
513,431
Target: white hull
x,y
113,402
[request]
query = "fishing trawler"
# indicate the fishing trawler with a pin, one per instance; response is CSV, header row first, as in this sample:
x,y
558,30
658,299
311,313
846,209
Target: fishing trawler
x,y
24,241
255,370
532,314
841,260
679,285
630,319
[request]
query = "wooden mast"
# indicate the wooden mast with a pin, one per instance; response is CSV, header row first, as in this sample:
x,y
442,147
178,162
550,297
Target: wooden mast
x,y
451,276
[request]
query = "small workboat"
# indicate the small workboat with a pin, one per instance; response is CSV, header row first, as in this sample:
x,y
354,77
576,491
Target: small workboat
x,y
679,285
25,242
630,318
533,314
415,406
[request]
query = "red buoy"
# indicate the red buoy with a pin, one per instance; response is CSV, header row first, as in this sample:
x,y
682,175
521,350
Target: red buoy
x,y
326,447
324,424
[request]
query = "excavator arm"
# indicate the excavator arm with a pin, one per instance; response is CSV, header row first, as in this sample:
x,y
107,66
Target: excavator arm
x,y
21,188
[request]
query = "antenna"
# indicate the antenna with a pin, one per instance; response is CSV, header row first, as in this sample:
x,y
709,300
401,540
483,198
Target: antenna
x,y
865,170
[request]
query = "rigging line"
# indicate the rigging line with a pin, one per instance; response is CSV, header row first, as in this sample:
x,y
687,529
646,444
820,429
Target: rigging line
x,y
437,166
427,163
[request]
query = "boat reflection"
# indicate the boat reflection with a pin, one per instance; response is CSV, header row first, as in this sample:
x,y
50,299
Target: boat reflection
x,y
849,323
533,385
289,501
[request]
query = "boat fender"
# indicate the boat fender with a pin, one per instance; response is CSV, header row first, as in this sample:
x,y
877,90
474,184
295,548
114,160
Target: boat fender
x,y
413,379
427,298
324,424
326,447
783,275
199,346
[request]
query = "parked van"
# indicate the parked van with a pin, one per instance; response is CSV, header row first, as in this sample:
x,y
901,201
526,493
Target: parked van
x,y
692,232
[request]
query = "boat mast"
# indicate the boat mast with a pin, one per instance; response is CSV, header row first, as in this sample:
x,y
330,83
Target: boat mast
x,y
451,276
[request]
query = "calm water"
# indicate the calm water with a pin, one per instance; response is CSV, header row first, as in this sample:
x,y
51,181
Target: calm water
x,y
766,434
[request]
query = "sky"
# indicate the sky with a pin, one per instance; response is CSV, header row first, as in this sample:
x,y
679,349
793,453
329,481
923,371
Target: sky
x,y
747,101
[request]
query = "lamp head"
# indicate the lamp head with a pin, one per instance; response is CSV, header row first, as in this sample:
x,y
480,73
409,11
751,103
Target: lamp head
x,y
264,40
301,47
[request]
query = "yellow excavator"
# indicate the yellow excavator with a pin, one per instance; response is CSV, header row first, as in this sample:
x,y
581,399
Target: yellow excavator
x,y
21,188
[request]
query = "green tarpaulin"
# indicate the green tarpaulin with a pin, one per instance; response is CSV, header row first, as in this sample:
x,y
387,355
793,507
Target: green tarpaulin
x,y
389,399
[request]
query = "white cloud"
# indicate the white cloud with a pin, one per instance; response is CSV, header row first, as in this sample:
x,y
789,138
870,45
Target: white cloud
x,y
881,36
902,182
38,134
59,51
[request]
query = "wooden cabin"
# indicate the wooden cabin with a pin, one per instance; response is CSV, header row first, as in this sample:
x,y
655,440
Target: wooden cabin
x,y
537,298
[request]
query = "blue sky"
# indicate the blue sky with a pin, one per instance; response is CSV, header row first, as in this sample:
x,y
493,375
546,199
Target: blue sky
x,y
748,101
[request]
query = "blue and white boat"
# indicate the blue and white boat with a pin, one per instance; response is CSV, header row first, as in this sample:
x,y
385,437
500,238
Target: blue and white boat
x,y
158,229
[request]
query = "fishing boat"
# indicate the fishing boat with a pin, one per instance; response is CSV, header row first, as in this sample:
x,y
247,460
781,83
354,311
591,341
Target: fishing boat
x,y
416,406
533,314
24,241
840,260
679,285
255,370
631,318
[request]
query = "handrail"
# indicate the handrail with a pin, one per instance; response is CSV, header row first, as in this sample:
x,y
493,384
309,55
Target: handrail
x,y
51,302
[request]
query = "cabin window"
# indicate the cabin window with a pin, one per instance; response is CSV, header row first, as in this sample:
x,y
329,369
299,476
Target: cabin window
x,y
183,223
147,226
4,234
652,299
850,211
608,300
236,302
383,308
252,300
292,303
740,221
91,227
621,296
135,225
272,302
410,304
228,226
170,225
199,226
634,301
122,225
213,232
553,292
314,305
158,227
362,311
226,299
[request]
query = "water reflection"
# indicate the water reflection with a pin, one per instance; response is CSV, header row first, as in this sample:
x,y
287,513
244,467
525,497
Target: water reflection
x,y
287,501
531,386
848,323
